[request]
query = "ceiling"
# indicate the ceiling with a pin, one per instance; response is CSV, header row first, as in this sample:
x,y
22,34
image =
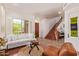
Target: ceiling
x,y
71,5
46,10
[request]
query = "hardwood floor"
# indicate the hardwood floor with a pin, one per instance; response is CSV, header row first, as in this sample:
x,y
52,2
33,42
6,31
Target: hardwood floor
x,y
14,51
24,51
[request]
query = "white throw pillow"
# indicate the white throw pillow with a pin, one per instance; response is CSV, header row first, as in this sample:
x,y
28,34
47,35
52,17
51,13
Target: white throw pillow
x,y
23,36
11,37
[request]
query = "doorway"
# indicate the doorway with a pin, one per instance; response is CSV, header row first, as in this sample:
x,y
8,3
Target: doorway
x,y
36,30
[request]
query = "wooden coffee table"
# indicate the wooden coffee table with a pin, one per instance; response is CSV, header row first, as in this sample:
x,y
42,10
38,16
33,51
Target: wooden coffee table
x,y
33,44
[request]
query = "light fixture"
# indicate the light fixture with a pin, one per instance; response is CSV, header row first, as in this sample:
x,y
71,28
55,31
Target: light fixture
x,y
59,12
36,21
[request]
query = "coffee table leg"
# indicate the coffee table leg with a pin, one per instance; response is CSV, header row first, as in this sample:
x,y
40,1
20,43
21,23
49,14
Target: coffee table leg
x,y
37,47
31,48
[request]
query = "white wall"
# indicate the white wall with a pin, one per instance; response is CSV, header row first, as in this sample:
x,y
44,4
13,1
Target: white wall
x,y
2,21
60,28
32,25
72,12
45,25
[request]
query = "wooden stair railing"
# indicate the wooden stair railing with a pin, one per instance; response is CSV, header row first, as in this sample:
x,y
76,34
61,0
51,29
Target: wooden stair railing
x,y
53,32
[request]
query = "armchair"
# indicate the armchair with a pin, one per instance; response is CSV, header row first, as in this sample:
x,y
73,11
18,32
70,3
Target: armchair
x,y
67,49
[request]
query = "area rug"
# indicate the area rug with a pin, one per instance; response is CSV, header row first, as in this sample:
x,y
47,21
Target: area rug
x,y
25,51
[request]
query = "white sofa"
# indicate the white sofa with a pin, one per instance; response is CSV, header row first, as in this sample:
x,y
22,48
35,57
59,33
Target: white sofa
x,y
19,40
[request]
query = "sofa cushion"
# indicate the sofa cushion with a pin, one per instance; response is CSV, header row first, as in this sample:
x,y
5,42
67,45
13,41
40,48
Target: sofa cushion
x,y
51,51
23,36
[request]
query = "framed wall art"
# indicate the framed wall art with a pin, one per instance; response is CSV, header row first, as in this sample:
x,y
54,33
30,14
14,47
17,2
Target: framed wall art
x,y
74,26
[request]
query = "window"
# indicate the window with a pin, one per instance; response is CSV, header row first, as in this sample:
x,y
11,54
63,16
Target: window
x,y
18,26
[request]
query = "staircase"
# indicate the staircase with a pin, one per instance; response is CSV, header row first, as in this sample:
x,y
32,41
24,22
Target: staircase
x,y
51,34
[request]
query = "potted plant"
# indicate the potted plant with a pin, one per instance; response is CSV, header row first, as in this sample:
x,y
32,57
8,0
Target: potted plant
x,y
2,42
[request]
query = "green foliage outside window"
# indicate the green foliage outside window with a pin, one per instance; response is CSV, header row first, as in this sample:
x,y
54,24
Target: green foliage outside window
x,y
18,26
